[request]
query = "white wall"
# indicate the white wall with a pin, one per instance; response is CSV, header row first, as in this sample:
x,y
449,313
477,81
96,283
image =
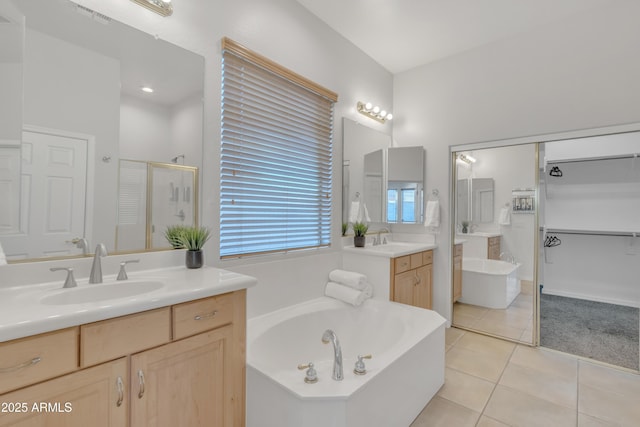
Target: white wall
x,y
287,33
575,74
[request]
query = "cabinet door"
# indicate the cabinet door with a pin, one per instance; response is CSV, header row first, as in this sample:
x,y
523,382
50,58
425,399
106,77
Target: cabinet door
x,y
183,383
422,289
93,397
457,278
403,287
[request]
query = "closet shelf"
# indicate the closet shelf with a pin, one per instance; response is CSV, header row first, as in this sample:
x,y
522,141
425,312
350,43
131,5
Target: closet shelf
x,y
623,233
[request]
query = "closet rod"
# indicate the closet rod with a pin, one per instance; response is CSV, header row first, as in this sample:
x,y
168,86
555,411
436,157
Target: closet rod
x,y
593,233
593,159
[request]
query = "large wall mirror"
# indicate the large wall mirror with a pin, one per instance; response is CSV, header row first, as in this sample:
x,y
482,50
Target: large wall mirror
x,y
84,112
381,183
494,247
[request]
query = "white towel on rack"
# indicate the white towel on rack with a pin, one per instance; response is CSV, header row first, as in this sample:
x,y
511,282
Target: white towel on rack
x,y
3,257
358,212
432,214
346,293
505,216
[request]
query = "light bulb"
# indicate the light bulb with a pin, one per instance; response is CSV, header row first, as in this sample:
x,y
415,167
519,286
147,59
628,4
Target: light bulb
x,y
368,106
376,109
383,114
147,89
389,116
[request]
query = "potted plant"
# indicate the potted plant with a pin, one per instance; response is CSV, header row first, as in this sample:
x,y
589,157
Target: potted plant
x,y
465,227
344,228
193,239
173,235
359,231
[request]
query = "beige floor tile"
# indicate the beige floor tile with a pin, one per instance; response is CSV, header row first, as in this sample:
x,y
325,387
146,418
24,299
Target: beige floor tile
x,y
544,385
452,335
501,329
443,413
542,360
485,344
526,287
589,421
517,318
483,365
464,321
517,408
608,405
469,310
467,390
490,422
609,379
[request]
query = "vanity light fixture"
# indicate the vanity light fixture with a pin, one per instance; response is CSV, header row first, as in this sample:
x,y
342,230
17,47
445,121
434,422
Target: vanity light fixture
x,y
466,158
374,112
161,7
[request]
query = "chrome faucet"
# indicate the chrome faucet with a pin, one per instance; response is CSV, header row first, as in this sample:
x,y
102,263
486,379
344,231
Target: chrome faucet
x,y
506,256
376,240
96,268
330,336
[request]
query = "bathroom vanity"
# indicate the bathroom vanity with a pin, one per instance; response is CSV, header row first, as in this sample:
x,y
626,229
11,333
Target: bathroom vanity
x,y
174,357
398,271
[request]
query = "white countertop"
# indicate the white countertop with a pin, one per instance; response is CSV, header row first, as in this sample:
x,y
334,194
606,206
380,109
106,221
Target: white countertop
x,y
479,234
23,314
391,249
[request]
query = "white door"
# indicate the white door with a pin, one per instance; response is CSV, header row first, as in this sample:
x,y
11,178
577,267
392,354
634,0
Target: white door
x,y
54,174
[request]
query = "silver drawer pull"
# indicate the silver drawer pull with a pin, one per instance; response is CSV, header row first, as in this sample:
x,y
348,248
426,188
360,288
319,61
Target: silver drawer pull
x,y
21,366
141,382
120,387
206,316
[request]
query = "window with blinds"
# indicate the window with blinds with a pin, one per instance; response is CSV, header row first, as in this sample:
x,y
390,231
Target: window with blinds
x,y
276,157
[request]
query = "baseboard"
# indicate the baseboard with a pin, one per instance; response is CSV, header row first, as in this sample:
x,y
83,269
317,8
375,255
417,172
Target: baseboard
x,y
615,301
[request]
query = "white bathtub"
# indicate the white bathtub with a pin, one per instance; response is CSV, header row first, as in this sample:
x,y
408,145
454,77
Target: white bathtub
x,y
407,368
489,283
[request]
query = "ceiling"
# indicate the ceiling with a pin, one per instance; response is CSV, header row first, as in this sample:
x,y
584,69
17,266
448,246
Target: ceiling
x,y
403,34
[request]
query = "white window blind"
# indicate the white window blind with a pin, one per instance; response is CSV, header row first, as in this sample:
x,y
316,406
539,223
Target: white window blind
x,y
276,158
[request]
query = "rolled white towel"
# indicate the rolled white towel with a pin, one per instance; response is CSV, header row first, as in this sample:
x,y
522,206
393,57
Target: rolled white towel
x,y
349,278
3,258
344,293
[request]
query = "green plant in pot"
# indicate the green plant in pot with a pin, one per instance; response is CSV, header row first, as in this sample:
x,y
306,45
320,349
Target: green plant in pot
x,y
345,225
359,231
193,239
173,235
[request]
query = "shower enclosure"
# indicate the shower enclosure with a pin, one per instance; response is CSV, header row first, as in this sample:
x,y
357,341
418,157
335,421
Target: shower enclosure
x,y
151,197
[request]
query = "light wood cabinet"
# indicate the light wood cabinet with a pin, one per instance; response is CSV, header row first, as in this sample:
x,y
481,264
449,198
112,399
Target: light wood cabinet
x,y
411,279
182,365
493,247
457,272
93,397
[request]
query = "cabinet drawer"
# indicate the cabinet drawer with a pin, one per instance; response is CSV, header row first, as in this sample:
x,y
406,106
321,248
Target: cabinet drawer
x,y
29,360
416,260
109,339
402,263
494,241
198,316
457,250
427,257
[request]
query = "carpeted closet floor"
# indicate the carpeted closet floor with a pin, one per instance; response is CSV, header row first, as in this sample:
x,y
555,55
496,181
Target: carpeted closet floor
x,y
600,331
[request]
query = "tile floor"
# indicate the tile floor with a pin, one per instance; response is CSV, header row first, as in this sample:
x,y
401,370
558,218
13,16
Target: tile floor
x,y
515,322
491,382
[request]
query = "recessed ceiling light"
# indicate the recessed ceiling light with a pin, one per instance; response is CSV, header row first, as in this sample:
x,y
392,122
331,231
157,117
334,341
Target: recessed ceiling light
x,y
146,89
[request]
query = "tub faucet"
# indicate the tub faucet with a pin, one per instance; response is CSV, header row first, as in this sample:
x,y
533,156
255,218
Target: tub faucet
x,y
506,256
330,336
96,268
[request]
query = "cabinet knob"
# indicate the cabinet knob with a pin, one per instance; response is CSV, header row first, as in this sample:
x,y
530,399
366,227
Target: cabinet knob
x,y
120,388
141,384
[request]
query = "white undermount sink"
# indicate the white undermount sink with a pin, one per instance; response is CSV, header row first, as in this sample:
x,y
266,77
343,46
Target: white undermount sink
x,y
101,292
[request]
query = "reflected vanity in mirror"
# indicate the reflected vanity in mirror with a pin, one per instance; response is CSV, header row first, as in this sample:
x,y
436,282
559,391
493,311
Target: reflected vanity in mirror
x,y
494,253
85,109
388,180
